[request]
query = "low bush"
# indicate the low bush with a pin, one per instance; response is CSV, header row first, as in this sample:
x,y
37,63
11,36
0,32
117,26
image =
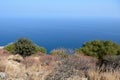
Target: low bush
x,y
24,47
10,47
99,48
59,52
39,49
109,63
70,67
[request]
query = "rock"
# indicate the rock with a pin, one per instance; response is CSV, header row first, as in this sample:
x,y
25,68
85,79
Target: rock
x,y
2,75
77,78
84,78
17,79
14,66
16,58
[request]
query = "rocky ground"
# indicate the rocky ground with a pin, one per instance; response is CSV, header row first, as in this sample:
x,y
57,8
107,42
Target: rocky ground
x,y
14,67
47,67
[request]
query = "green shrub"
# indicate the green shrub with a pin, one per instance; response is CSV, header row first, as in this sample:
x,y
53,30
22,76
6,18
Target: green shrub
x,y
40,49
10,47
24,47
99,48
59,52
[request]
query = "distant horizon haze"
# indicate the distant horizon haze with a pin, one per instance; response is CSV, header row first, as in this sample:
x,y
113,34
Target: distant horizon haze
x,y
62,8
59,23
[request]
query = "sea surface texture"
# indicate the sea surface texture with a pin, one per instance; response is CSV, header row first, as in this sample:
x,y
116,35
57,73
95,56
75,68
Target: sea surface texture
x,y
59,32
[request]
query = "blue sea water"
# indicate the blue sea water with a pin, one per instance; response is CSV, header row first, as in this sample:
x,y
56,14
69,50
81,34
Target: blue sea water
x,y
59,32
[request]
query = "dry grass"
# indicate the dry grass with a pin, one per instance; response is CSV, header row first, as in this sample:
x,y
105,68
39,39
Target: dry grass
x,y
46,67
95,75
30,68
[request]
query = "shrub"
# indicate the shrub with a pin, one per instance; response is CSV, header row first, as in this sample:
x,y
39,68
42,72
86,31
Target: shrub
x,y
109,63
113,61
99,48
24,47
59,52
10,47
40,49
69,67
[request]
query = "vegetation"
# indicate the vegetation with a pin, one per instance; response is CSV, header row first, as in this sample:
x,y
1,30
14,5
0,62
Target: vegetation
x,y
109,63
67,67
99,48
24,47
59,52
10,47
82,68
39,49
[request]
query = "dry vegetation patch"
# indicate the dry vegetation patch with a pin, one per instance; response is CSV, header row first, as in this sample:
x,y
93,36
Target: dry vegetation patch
x,y
50,67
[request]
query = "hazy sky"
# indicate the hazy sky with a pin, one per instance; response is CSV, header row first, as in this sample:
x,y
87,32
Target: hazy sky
x,y
58,8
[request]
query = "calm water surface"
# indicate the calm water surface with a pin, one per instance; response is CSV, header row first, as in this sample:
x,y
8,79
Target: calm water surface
x,y
55,33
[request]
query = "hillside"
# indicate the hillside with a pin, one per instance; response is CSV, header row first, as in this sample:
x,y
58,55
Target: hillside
x,y
50,67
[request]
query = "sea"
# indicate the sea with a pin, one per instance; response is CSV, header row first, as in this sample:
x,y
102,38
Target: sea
x,y
52,33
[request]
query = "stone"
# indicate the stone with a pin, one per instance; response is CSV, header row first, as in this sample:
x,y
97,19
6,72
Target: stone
x,y
2,75
16,58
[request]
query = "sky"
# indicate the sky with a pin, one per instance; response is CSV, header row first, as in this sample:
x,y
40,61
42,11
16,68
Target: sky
x,y
60,8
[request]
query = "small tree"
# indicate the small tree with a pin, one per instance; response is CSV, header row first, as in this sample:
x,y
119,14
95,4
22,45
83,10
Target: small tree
x,y
24,47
